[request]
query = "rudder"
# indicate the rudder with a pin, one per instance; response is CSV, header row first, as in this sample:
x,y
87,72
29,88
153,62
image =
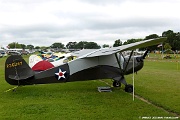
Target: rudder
x,y
17,70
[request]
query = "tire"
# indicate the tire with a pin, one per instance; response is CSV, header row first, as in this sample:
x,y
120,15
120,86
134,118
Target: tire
x,y
116,84
129,88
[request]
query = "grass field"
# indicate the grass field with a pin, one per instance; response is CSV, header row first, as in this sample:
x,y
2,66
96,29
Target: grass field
x,y
158,82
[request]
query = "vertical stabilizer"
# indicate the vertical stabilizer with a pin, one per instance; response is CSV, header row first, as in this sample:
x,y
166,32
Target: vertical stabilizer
x,y
17,70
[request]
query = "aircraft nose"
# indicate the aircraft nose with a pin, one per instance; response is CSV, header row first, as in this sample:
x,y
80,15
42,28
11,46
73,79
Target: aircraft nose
x,y
139,59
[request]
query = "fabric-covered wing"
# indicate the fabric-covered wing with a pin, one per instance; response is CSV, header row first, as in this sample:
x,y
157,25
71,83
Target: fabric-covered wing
x,y
132,46
83,52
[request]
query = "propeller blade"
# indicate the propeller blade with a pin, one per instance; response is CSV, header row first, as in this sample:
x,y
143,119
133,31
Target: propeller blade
x,y
141,58
145,54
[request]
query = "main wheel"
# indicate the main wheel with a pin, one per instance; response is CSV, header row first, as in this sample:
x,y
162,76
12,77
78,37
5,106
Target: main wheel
x,y
129,88
116,84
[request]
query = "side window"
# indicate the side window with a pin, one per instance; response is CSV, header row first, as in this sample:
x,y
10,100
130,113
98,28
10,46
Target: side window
x,y
121,60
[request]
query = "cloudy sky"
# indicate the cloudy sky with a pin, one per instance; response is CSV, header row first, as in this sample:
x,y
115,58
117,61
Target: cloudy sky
x,y
44,22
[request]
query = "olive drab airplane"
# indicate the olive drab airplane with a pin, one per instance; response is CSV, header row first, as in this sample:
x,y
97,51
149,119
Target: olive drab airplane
x,y
89,64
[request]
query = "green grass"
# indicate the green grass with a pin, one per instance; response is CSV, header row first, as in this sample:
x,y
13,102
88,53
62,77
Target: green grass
x,y
157,81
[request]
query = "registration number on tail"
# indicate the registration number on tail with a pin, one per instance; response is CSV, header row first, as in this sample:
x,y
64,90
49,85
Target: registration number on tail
x,y
14,64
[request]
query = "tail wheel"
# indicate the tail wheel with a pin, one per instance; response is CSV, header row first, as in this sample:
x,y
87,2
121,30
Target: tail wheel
x,y
116,84
129,88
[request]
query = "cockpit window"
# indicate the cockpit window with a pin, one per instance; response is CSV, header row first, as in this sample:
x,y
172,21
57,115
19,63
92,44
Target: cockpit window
x,y
121,60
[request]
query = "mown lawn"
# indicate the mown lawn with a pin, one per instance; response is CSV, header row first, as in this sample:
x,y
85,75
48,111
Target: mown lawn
x,y
157,82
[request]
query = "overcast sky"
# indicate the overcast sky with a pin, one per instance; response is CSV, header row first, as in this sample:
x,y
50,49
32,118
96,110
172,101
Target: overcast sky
x,y
44,22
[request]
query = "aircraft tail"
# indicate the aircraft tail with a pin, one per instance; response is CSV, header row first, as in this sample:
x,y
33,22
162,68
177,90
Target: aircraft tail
x,y
17,70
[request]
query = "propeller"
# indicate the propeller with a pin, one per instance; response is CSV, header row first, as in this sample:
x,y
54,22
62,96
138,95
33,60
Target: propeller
x,y
145,54
140,59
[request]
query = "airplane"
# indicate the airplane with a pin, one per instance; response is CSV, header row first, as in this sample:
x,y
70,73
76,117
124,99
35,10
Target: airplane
x,y
90,64
55,59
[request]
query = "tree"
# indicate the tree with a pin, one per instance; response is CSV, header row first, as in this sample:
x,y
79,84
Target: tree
x,y
173,39
167,48
81,44
86,45
71,45
37,47
177,42
167,33
44,48
14,45
152,36
105,45
117,43
23,46
57,45
91,45
131,41
30,47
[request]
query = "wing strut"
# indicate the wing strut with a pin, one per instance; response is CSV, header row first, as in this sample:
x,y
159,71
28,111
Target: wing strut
x,y
128,60
133,78
121,79
118,61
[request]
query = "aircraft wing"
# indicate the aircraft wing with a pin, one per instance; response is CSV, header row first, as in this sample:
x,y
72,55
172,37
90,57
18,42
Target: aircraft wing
x,y
83,52
100,52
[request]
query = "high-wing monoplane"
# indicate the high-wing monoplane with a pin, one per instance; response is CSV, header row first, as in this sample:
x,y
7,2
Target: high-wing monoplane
x,y
89,65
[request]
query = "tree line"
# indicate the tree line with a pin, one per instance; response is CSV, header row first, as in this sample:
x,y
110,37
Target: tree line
x,y
173,43
58,45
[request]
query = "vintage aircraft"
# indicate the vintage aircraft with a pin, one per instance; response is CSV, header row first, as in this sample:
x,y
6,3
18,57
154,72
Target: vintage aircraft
x,y
53,59
89,65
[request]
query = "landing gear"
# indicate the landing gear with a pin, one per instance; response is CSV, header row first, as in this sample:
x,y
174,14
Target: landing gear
x,y
129,88
116,84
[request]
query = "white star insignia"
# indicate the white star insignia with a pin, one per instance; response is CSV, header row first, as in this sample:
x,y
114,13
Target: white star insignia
x,y
60,74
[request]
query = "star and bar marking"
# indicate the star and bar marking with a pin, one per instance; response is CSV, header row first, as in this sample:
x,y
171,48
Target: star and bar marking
x,y
60,74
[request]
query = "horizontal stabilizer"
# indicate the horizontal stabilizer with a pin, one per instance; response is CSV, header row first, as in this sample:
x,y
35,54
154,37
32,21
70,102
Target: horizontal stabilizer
x,y
17,77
